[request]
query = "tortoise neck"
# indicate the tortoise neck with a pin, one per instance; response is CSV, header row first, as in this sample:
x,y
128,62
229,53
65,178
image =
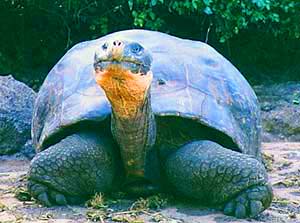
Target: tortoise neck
x,y
135,136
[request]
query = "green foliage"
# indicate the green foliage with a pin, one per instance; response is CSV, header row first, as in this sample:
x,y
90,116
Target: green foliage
x,y
97,201
152,202
227,18
22,194
36,33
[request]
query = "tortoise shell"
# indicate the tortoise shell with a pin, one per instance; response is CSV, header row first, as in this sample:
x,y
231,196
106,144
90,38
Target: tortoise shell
x,y
191,80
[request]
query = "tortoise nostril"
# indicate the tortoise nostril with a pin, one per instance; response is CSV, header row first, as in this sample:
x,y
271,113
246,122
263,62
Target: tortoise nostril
x,y
117,43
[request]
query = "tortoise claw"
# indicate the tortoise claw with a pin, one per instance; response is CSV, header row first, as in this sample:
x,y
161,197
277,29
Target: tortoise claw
x,y
59,199
43,199
249,203
46,196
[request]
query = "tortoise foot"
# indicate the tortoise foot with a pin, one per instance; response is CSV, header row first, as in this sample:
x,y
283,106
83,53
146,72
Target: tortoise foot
x,y
213,175
72,170
249,203
50,197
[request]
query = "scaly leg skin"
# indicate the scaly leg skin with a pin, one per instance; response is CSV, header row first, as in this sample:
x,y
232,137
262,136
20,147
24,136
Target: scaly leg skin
x,y
72,170
214,175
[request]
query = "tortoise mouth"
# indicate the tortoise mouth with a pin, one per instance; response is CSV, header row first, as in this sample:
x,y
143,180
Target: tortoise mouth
x,y
135,66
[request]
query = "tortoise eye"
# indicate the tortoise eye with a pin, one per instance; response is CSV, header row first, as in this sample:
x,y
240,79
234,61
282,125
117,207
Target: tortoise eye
x,y
136,48
105,46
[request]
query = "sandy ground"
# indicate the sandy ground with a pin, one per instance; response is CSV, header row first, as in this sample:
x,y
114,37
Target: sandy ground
x,y
283,160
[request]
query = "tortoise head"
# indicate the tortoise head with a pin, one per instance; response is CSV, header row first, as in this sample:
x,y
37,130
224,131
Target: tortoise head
x,y
122,70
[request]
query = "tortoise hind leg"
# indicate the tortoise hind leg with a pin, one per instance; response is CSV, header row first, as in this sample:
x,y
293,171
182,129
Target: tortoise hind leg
x,y
73,169
217,176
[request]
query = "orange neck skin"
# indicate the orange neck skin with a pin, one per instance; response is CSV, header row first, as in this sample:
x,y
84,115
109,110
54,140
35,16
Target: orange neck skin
x,y
133,122
125,90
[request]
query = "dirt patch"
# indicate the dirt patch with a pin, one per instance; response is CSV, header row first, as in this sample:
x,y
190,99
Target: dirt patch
x,y
283,161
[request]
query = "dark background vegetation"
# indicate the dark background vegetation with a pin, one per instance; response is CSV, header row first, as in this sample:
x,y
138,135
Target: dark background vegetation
x,y
260,37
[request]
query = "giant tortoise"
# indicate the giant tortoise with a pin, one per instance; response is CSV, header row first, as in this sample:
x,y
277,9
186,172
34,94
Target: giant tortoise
x,y
143,111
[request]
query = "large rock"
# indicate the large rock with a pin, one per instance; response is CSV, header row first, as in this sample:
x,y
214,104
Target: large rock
x,y
16,106
280,106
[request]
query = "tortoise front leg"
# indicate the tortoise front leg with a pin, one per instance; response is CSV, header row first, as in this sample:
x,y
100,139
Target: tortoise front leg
x,y
73,169
214,175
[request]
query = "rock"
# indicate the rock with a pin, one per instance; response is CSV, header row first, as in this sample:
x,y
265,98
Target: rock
x,y
16,106
280,107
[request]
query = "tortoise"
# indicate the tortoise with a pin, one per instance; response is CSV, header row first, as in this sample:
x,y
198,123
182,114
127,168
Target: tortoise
x,y
143,111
